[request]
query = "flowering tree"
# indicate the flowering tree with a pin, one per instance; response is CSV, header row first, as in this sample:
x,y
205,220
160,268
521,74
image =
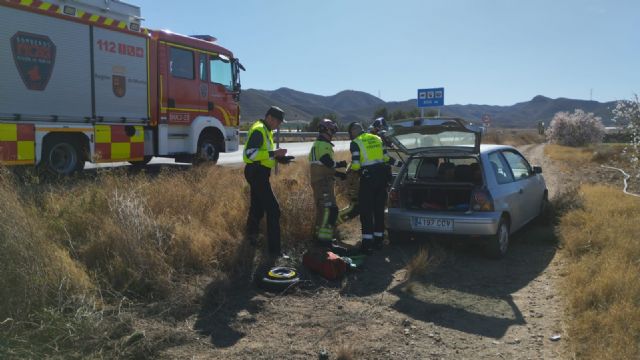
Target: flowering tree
x,y
627,114
575,129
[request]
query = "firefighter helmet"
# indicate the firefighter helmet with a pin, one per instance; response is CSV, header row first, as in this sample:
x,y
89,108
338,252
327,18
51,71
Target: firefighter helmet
x,y
354,127
327,126
379,125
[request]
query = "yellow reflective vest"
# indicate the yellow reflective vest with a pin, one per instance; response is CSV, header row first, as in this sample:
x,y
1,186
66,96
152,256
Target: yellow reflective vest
x,y
319,149
262,154
371,151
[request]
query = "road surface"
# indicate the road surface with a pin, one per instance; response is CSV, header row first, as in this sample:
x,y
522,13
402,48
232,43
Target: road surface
x,y
297,149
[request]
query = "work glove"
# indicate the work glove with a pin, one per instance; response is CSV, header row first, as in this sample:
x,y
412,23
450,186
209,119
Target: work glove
x,y
340,175
341,164
285,159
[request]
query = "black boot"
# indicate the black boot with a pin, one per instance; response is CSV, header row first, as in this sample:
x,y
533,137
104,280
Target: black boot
x,y
378,243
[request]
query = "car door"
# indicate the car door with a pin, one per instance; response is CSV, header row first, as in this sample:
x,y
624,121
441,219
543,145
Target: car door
x,y
506,193
529,185
222,89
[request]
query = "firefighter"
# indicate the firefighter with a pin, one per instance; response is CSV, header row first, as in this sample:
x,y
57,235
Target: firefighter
x,y
379,128
370,159
323,169
260,156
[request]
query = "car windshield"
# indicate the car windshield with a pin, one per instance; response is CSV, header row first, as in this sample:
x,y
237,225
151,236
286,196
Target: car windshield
x,y
413,135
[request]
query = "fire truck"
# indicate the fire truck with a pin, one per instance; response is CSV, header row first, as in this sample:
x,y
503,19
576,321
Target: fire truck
x,y
82,80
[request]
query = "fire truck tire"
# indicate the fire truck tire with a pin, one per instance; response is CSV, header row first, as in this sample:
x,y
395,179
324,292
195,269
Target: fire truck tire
x,y
208,151
62,157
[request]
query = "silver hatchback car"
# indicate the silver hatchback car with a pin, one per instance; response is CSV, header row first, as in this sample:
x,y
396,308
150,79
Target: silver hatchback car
x,y
450,184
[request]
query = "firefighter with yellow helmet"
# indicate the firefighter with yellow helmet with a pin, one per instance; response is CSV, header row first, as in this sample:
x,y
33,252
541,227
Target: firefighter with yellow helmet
x,y
322,171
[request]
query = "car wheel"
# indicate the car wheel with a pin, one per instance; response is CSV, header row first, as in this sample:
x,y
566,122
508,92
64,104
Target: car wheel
x,y
498,244
279,279
543,215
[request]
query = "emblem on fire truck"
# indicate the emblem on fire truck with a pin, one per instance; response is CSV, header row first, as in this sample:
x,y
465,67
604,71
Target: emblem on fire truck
x,y
119,85
34,56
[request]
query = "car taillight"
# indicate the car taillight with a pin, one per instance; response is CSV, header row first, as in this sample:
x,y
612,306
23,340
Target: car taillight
x,y
481,200
394,198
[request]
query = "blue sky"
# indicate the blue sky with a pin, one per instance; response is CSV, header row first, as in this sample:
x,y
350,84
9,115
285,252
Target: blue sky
x,y
495,52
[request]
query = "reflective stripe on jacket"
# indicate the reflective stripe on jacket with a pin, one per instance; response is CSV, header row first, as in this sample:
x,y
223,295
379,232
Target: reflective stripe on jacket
x,y
260,155
370,151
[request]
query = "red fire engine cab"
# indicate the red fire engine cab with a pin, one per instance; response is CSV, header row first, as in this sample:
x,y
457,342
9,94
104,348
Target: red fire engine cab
x,y
83,81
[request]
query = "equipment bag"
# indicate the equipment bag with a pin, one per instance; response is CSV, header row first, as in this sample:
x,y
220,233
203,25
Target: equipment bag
x,y
329,265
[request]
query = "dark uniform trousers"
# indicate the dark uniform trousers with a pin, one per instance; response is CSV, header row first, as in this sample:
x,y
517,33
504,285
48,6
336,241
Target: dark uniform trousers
x,y
263,200
373,197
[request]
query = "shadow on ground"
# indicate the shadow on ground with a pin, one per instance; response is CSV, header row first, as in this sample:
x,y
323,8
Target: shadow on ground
x,y
461,289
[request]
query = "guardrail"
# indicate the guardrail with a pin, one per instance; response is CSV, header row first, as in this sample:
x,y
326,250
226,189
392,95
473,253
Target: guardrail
x,y
297,136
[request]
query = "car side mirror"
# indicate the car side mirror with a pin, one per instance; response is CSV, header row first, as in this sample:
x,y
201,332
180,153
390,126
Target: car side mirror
x,y
537,170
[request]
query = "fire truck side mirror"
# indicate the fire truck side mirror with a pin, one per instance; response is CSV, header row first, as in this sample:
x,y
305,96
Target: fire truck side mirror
x,y
237,88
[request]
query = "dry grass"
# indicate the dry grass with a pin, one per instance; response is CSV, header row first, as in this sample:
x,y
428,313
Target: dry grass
x,y
346,352
512,137
134,235
418,265
35,271
602,287
600,153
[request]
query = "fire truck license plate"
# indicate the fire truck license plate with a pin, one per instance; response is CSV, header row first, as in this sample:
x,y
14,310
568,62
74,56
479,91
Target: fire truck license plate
x,y
433,223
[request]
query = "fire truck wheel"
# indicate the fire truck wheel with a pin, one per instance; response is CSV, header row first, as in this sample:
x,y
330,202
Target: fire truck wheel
x,y
208,152
61,158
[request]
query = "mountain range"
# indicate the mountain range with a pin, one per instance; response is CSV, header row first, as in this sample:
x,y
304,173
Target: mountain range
x,y
351,105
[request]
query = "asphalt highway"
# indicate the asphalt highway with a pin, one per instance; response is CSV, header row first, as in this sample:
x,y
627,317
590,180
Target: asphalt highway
x,y
297,149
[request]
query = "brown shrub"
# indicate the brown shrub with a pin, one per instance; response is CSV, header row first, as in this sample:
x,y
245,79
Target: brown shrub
x,y
35,271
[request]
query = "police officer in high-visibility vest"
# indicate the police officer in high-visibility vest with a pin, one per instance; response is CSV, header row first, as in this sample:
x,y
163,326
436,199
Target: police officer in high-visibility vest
x,y
322,172
260,156
370,158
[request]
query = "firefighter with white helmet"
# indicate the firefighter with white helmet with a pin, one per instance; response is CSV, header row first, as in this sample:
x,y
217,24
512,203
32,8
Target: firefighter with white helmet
x,y
323,169
379,127
370,159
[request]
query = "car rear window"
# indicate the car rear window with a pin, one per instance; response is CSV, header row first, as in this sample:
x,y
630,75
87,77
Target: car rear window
x,y
459,169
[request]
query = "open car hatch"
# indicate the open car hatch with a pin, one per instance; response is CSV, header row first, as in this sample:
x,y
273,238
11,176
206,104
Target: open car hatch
x,y
435,135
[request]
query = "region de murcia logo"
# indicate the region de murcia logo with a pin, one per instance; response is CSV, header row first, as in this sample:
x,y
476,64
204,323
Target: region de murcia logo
x,y
119,83
34,56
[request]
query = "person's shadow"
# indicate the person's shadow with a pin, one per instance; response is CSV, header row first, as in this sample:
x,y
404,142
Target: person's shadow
x,y
232,300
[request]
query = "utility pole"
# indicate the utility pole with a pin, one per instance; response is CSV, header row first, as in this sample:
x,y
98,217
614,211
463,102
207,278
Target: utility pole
x,y
591,94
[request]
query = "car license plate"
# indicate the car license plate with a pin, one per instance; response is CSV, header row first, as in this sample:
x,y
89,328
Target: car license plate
x,y
433,223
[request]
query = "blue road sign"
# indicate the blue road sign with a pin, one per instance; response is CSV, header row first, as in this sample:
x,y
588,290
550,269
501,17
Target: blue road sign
x,y
430,97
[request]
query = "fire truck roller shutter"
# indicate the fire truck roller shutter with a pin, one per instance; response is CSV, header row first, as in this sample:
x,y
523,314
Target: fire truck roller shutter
x,y
120,62
46,67
209,133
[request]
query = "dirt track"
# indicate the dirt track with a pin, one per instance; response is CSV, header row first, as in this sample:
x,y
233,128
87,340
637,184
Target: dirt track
x,y
464,307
